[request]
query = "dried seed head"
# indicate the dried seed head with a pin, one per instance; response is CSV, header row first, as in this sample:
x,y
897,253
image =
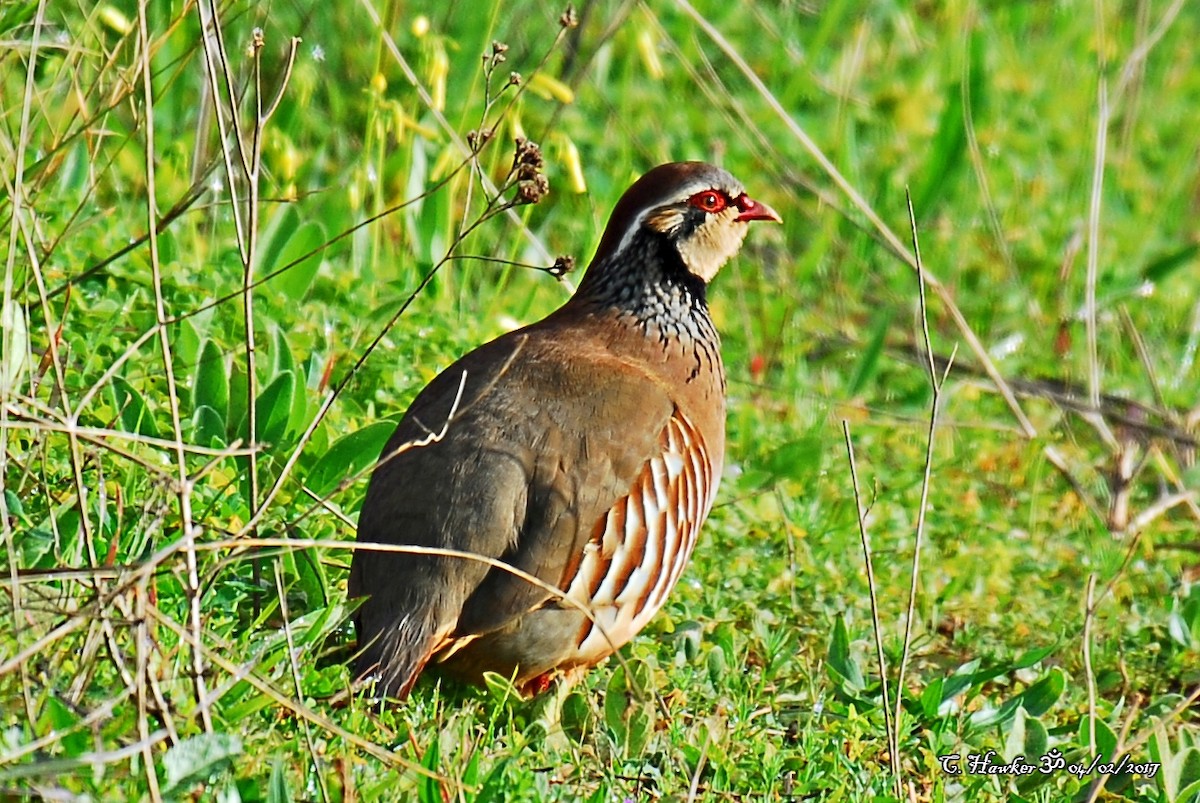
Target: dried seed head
x,y
477,139
528,162
533,190
514,79
569,18
497,55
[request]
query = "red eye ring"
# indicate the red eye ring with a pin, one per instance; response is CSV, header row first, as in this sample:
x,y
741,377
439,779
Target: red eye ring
x,y
710,201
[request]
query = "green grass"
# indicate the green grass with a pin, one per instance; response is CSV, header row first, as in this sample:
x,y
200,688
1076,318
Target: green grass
x,y
760,679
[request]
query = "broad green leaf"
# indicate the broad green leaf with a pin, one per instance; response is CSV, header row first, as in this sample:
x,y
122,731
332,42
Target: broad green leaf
x,y
14,347
629,707
273,409
305,566
1014,745
235,420
208,427
281,351
1106,740
961,679
134,414
1037,700
16,13
1167,264
195,759
13,503
277,788
210,388
274,238
428,789
717,665
796,460
931,698
868,363
1184,772
300,259
58,717
577,720
839,658
348,456
1037,738
1041,696
298,416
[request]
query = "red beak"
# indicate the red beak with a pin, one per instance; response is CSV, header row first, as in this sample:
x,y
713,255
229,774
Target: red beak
x,y
755,210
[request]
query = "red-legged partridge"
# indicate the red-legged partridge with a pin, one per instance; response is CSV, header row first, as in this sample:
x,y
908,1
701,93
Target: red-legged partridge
x,y
584,450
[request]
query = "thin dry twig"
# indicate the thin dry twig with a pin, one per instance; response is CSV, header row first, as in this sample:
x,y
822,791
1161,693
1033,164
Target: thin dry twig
x,y
890,724
297,686
184,489
1089,615
927,473
1095,203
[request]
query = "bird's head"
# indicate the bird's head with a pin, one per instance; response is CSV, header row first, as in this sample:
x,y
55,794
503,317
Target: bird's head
x,y
701,210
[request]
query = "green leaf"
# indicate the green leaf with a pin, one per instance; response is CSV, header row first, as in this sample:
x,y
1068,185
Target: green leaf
x,y
1031,657
134,414
210,388
717,665
348,456
1106,740
868,364
279,230
1014,745
277,788
629,708
576,718
1041,696
1037,700
273,409
305,566
1185,773
13,14
931,698
839,659
1037,738
298,416
13,503
428,789
235,420
58,717
14,347
281,350
208,427
796,460
197,758
961,679
497,785
1167,264
300,259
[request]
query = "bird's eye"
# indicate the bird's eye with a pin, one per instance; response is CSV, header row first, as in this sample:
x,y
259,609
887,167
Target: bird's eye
x,y
708,201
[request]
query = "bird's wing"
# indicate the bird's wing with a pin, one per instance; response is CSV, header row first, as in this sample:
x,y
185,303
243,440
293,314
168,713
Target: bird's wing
x,y
522,460
594,435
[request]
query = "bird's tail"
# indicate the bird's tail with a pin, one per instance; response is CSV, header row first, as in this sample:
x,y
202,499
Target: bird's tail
x,y
393,660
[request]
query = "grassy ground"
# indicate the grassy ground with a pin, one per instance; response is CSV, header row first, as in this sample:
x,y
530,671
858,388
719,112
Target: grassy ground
x,y
1050,154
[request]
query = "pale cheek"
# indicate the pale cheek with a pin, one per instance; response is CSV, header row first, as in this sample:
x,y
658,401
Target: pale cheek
x,y
711,246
